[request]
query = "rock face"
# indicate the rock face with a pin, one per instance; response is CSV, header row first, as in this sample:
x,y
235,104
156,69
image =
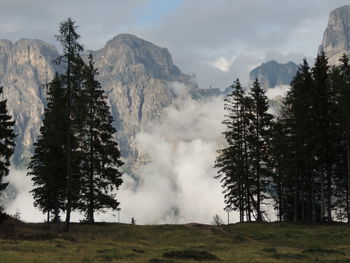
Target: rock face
x,y
272,73
336,37
139,78
24,67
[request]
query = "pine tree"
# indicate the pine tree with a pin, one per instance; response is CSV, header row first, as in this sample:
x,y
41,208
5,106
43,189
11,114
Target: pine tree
x,y
75,112
323,100
49,154
102,156
7,141
259,144
232,159
340,80
299,127
280,162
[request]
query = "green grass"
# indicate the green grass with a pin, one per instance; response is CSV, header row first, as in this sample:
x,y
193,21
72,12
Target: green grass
x,y
239,243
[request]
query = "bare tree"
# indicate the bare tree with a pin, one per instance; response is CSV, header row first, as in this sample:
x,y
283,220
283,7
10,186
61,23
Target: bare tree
x,y
217,220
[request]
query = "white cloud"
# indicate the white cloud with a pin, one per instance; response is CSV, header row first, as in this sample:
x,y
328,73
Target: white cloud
x,y
223,63
23,202
277,91
177,185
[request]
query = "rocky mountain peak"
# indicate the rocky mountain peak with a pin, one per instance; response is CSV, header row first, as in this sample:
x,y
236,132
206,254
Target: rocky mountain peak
x,y
272,73
336,38
128,53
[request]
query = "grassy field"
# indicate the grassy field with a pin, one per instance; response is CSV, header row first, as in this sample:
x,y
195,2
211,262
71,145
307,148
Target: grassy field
x,y
238,243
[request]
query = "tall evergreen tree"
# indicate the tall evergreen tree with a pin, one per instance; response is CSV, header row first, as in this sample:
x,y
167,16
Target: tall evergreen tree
x,y
75,112
102,156
7,141
259,144
49,154
340,78
322,105
298,129
280,163
232,159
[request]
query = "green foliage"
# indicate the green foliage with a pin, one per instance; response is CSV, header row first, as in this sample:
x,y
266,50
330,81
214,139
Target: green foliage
x,y
309,145
76,158
244,164
48,161
232,160
100,174
300,161
7,141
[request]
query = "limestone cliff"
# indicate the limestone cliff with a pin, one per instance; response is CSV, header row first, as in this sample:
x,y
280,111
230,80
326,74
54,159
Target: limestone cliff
x,y
139,78
336,37
25,67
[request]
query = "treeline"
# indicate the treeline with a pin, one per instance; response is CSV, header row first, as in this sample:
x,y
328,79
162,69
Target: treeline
x,y
76,159
297,162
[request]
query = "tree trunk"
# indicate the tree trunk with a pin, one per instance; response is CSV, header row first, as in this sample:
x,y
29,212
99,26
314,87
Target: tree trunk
x,y
296,193
322,198
302,196
280,212
313,203
68,113
329,192
91,175
348,179
246,170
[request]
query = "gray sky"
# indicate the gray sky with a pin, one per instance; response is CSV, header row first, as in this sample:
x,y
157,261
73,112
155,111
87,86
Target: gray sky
x,y
218,40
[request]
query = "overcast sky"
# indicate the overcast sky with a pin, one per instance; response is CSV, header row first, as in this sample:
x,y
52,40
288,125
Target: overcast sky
x,y
218,40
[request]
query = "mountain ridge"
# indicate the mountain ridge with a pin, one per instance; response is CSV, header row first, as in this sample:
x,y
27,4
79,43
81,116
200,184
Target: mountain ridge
x,y
137,76
272,73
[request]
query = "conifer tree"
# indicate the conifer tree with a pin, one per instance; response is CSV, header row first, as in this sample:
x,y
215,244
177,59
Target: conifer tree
x,y
280,163
7,141
49,154
340,78
322,105
297,148
259,144
75,112
100,174
232,159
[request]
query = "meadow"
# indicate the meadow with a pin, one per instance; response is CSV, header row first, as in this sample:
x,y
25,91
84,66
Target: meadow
x,y
236,243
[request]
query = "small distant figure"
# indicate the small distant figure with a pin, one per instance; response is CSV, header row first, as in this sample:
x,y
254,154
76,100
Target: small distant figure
x,y
133,222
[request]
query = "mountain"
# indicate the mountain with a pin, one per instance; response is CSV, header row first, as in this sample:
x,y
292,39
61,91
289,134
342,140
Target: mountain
x,y
139,78
272,74
336,42
24,67
336,37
